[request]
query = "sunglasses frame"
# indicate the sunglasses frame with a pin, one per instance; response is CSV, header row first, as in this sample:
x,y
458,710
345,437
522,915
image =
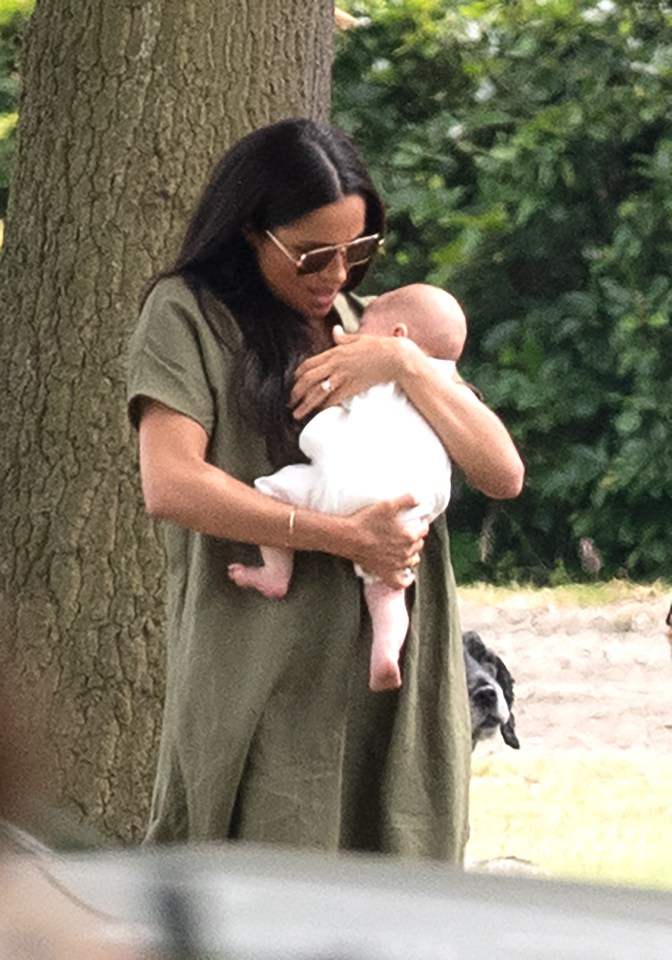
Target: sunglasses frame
x,y
333,248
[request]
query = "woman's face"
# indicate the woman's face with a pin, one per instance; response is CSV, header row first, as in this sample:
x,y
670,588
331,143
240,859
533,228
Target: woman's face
x,y
312,294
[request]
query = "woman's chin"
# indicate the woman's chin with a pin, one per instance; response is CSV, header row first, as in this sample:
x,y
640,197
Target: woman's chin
x,y
319,307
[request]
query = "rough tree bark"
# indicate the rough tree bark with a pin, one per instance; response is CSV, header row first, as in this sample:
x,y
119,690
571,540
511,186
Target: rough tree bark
x,y
125,108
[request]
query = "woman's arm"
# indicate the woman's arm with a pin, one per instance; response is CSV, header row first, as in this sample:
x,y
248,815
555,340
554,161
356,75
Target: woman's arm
x,y
179,485
475,438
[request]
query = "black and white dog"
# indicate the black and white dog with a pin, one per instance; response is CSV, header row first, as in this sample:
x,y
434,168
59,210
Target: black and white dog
x,y
490,687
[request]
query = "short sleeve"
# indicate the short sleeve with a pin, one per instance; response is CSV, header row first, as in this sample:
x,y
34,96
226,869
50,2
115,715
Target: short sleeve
x,y
165,358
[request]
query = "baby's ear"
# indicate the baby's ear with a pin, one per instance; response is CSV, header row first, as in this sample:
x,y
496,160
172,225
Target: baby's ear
x,y
400,330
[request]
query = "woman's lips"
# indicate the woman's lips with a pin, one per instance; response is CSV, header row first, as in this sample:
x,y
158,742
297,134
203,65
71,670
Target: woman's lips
x,y
324,297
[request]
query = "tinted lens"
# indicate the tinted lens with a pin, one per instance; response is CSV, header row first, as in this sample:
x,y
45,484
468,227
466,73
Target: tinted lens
x,y
362,250
317,260
359,251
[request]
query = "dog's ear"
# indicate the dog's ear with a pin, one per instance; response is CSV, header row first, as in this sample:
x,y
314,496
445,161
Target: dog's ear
x,y
505,680
476,648
472,642
509,733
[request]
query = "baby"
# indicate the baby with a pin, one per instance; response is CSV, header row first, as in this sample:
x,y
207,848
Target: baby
x,y
374,446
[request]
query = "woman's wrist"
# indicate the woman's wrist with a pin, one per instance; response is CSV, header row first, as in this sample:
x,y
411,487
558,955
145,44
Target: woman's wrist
x,y
322,532
409,362
291,523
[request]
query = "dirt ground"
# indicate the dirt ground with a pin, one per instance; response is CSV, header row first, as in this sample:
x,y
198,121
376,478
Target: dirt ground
x,y
597,678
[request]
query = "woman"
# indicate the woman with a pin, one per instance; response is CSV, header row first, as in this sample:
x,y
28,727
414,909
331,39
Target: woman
x,y
270,733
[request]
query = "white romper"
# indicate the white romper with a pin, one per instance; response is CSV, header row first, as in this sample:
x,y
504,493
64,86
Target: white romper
x,y
374,446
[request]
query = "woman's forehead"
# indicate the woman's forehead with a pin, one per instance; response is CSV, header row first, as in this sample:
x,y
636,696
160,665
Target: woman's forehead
x,y
336,222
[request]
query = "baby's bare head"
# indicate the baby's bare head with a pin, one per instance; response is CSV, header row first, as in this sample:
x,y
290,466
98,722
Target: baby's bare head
x,y
428,315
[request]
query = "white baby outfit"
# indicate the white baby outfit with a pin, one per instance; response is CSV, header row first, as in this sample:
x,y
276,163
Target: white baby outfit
x,y
374,446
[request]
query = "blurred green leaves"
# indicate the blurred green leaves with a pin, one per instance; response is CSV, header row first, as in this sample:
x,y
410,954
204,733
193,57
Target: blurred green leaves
x,y
524,149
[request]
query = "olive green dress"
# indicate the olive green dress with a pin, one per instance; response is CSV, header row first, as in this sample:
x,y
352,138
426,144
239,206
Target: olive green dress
x,y
270,733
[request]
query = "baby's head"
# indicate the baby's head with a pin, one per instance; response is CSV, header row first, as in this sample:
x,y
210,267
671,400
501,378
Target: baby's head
x,y
428,315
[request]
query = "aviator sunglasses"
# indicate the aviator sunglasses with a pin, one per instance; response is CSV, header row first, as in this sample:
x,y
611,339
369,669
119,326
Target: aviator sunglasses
x,y
313,261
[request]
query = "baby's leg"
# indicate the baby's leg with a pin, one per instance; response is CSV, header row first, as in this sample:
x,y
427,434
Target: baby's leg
x,y
272,578
389,619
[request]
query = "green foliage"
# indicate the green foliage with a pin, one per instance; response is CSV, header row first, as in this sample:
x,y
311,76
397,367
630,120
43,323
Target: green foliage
x,y
525,149
14,14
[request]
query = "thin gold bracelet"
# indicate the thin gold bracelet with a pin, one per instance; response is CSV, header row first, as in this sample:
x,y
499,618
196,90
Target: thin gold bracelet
x,y
290,529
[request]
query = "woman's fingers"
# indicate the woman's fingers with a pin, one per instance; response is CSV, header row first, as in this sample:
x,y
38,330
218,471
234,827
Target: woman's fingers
x,y
359,362
399,579
315,386
416,529
322,394
391,547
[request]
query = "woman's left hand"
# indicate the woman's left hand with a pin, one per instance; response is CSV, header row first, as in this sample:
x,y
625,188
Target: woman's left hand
x,y
357,362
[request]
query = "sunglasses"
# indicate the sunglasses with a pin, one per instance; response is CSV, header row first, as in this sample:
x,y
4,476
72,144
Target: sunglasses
x,y
313,261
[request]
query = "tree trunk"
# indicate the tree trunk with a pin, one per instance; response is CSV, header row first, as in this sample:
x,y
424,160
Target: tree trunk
x,y
126,107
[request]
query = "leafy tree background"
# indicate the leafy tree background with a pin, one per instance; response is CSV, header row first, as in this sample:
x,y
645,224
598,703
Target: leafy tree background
x,y
525,150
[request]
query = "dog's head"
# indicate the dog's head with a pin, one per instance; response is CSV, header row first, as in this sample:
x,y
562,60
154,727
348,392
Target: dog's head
x,y
490,687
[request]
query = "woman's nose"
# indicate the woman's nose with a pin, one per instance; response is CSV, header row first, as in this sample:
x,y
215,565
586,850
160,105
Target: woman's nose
x,y
336,270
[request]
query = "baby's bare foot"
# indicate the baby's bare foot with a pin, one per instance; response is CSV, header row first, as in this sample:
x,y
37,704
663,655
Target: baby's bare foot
x,y
384,675
258,578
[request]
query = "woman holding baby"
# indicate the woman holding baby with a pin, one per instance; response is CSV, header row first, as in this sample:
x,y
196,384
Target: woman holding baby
x,y
270,732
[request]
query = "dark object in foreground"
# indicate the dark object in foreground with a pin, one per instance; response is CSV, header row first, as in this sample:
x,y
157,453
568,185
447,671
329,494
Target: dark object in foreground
x,y
275,903
490,687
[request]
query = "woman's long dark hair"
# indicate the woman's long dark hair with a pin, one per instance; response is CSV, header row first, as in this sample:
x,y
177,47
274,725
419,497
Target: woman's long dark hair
x,y
270,178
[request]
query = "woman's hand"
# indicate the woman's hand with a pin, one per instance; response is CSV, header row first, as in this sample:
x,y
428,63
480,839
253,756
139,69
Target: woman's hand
x,y
357,362
385,544
180,486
